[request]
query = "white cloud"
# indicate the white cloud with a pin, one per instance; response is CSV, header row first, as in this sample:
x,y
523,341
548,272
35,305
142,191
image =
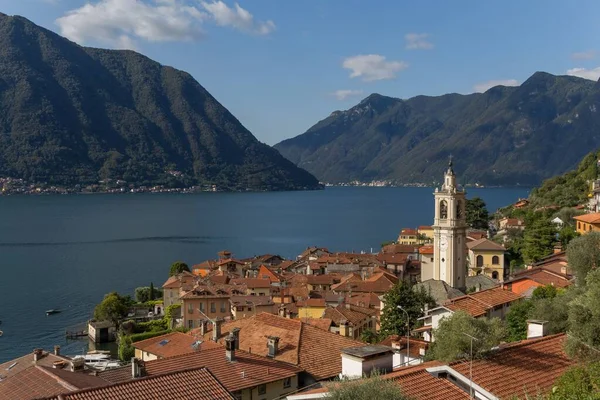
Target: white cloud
x,y
237,17
344,94
417,41
373,67
585,55
592,74
483,86
119,22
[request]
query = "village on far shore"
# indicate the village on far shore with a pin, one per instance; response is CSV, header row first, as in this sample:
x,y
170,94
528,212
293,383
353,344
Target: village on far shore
x,y
266,327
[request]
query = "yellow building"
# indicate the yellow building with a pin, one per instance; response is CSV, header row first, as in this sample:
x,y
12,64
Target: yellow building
x,y
311,308
486,257
588,223
408,236
426,233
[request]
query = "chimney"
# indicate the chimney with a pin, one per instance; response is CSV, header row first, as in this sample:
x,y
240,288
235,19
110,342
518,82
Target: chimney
x,y
37,354
230,347
557,248
57,350
348,306
343,327
272,344
202,327
136,368
217,329
77,364
536,328
236,336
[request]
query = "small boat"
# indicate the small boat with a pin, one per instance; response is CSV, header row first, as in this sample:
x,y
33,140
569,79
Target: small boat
x,y
53,311
1,333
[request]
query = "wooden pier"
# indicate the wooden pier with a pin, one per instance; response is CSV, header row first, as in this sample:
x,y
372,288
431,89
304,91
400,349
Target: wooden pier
x,y
76,334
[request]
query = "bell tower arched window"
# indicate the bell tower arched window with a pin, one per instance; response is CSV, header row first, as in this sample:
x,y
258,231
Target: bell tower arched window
x,y
443,209
459,211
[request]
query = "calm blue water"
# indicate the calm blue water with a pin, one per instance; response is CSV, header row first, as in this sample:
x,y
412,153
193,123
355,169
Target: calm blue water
x,y
67,251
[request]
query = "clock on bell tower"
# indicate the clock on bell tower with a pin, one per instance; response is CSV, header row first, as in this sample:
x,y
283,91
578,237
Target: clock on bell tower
x,y
450,233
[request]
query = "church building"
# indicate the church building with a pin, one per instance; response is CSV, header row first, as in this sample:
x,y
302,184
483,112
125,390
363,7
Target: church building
x,y
449,234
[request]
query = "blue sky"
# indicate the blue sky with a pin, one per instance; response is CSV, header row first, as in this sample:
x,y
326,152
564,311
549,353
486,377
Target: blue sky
x,y
280,65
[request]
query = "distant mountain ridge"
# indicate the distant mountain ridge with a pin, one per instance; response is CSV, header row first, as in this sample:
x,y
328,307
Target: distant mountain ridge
x,y
505,136
75,115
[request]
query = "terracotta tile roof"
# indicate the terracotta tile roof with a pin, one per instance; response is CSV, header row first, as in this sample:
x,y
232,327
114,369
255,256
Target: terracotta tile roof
x,y
485,244
253,283
204,291
171,344
368,300
196,383
593,218
228,261
528,366
208,264
408,231
311,303
477,304
251,300
418,384
312,349
31,383
285,264
327,279
544,277
400,248
321,323
41,381
248,370
393,258
426,250
425,228
266,273
355,315
17,365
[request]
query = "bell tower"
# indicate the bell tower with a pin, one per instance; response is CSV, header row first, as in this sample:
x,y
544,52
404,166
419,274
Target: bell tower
x,y
450,233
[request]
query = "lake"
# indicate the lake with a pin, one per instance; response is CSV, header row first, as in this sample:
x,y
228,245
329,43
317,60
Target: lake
x,y
66,252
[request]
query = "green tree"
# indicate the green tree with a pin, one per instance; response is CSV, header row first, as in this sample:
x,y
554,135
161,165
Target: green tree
x,y
147,293
583,341
566,215
369,336
125,350
451,340
581,382
538,240
566,234
583,254
555,311
178,267
113,308
365,389
544,292
411,299
477,214
516,320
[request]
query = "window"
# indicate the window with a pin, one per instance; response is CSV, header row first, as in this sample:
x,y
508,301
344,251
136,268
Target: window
x,y
190,308
262,389
202,306
495,275
287,382
170,293
240,308
190,324
213,307
578,225
431,259
495,260
479,261
443,209
222,306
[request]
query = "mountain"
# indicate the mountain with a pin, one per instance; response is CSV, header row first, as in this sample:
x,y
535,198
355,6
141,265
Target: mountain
x,y
75,115
505,136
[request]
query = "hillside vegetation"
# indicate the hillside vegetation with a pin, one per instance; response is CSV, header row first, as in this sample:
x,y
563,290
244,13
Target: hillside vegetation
x,y
75,115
